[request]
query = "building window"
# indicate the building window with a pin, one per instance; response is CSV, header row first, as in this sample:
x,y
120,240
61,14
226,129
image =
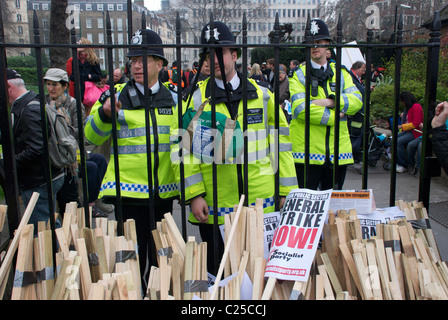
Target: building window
x,y
119,24
17,3
19,17
45,6
35,6
110,7
100,23
88,23
20,29
119,7
99,7
120,38
90,37
45,24
88,7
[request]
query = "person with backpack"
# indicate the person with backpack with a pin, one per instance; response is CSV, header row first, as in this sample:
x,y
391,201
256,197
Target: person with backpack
x,y
56,82
29,149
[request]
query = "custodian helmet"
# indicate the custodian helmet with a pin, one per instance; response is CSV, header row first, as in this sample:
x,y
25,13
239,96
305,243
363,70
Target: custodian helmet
x,y
221,35
319,30
152,38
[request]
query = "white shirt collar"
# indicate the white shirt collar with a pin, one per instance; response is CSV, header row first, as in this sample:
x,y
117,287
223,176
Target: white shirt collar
x,y
154,89
235,82
317,66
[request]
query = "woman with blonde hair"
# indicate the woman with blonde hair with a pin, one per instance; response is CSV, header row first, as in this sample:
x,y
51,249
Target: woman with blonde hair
x,y
89,67
255,73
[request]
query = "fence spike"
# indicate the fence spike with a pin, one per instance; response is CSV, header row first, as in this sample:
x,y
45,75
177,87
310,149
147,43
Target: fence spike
x,y
143,20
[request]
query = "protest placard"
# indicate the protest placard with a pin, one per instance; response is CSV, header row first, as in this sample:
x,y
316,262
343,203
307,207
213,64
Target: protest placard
x,y
360,200
297,236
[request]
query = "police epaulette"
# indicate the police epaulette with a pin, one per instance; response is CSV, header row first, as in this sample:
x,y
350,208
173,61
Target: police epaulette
x,y
105,95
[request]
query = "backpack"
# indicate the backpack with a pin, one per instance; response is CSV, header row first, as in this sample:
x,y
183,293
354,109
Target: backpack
x,y
62,145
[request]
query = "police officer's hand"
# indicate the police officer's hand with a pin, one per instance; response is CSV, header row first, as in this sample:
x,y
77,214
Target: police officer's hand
x,y
441,115
107,108
199,209
282,201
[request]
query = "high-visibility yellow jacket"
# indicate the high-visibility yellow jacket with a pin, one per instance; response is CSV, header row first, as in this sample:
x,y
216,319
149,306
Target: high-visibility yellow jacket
x,y
132,148
261,153
322,119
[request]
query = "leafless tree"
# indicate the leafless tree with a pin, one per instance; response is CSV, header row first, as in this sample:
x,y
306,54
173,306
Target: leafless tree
x,y
59,33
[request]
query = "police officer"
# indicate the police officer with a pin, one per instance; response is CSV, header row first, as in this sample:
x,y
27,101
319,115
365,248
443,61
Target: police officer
x,y
261,115
322,116
132,147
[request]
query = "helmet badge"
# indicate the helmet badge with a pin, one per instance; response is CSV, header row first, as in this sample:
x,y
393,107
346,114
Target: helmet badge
x,y
215,34
137,38
314,28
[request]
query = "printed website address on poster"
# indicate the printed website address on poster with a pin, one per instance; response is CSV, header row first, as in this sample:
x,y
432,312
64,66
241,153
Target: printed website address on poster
x,y
286,271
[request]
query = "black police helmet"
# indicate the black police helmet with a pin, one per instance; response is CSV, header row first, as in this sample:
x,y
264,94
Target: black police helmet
x,y
221,35
319,30
152,38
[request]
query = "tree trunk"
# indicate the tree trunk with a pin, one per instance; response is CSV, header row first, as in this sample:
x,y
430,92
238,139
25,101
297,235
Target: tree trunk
x,y
59,34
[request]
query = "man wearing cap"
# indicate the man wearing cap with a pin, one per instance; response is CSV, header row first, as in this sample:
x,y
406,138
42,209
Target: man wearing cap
x,y
322,116
260,122
29,149
132,146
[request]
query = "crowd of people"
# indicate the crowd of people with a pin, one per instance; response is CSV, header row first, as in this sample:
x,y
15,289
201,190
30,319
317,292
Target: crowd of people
x,y
169,139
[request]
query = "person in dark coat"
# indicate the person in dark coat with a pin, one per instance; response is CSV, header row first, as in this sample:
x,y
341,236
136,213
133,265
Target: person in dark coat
x,y
29,149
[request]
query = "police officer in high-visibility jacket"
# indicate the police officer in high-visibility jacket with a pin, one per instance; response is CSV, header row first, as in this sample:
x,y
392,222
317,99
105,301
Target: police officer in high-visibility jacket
x,y
322,116
132,144
262,151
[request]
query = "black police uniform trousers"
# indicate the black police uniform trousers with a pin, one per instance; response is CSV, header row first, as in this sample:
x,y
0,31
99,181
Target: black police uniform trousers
x,y
320,177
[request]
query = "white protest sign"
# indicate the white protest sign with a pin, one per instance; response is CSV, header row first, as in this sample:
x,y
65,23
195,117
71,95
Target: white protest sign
x,y
351,55
297,236
362,201
368,222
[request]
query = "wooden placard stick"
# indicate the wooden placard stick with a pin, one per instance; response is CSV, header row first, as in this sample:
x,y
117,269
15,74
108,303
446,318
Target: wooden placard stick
x,y
59,287
348,258
331,273
85,275
164,281
394,284
410,295
362,272
232,257
8,259
134,266
62,240
329,294
102,259
188,269
373,271
226,250
243,264
383,268
269,288
92,254
175,231
46,245
24,257
176,267
258,281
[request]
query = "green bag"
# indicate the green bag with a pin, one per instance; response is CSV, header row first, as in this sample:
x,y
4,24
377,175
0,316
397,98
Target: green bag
x,y
229,136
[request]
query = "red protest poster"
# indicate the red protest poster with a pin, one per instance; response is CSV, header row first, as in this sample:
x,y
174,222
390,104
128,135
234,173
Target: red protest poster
x,y
297,236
